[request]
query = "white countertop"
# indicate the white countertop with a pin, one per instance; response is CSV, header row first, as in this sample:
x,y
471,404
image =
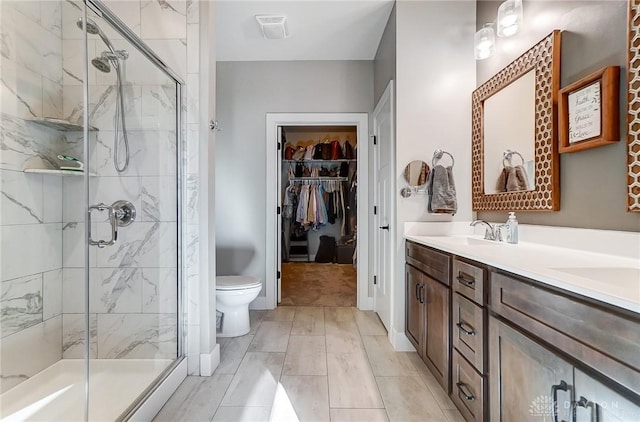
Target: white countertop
x,y
612,279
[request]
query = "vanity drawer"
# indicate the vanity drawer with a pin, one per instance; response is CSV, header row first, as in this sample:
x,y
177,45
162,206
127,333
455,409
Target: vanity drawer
x,y
604,338
469,331
467,389
469,280
434,264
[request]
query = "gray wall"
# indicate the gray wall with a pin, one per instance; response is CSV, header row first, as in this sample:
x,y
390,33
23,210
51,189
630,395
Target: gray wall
x,y
246,91
384,64
593,182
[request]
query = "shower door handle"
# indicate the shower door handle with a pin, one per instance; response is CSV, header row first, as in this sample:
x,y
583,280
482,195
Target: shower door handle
x,y
112,220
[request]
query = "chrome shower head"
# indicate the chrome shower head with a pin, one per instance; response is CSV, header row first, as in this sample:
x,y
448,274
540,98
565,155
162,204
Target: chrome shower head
x,y
92,27
102,64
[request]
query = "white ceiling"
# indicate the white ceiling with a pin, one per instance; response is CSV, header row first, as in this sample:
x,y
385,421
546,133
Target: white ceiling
x,y
318,30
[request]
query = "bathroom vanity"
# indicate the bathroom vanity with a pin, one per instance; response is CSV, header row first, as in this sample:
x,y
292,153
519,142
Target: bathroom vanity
x,y
527,331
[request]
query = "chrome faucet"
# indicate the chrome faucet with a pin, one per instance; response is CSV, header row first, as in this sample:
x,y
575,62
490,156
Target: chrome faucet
x,y
491,232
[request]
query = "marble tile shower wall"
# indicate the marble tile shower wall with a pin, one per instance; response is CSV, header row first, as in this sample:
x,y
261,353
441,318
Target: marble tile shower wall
x,y
30,204
133,291
134,284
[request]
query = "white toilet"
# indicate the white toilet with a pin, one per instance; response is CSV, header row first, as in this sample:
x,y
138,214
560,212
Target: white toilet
x,y
233,295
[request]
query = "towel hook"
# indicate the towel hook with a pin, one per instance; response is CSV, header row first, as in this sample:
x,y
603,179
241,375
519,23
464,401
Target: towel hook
x,y
438,155
508,155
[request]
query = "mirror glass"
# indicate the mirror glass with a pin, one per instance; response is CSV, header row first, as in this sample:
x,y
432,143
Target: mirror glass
x,y
509,137
416,172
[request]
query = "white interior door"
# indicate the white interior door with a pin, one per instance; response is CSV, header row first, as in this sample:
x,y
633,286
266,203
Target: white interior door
x,y
384,226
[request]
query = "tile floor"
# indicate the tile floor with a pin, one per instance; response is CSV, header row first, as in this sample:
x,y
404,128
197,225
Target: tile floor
x,y
312,364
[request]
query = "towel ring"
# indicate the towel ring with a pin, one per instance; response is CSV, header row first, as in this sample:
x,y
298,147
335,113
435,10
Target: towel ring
x,y
508,155
438,155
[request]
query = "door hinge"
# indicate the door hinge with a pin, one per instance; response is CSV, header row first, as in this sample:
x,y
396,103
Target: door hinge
x,y
279,146
278,210
278,275
375,210
375,279
375,139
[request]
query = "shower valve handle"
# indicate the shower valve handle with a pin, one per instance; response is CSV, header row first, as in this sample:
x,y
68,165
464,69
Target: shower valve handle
x,y
121,213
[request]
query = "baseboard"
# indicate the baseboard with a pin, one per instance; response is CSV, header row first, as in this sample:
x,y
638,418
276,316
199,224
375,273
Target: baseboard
x,y
367,305
400,342
209,361
259,303
152,405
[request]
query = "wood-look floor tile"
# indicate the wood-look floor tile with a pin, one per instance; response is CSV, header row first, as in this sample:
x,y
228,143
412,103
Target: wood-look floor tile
x,y
359,415
343,337
309,396
334,314
272,336
427,377
308,321
351,382
196,399
232,351
256,381
407,399
281,313
306,355
242,414
368,323
384,360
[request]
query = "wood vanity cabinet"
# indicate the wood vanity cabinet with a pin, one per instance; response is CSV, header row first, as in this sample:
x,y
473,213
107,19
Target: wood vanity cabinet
x,y
469,331
551,351
428,298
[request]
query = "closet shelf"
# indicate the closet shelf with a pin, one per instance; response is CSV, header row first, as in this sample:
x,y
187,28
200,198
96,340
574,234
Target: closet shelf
x,y
60,124
321,179
319,161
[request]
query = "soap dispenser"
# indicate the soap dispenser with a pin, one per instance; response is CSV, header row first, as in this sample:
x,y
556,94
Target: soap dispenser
x,y
512,228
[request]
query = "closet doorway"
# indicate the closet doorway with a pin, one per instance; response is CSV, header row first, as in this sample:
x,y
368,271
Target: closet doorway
x,y
317,238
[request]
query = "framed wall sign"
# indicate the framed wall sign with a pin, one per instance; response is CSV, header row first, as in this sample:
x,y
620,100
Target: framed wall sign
x,y
589,111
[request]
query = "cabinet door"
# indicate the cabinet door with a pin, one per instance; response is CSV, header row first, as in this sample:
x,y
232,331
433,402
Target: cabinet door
x,y
437,350
522,377
414,309
596,402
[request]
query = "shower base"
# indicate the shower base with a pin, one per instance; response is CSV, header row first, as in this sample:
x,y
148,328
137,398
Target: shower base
x,y
57,393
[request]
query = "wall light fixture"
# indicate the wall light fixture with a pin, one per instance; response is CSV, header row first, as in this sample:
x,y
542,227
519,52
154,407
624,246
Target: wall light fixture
x,y
484,42
509,18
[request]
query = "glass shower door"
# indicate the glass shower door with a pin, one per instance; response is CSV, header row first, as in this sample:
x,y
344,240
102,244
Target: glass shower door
x,y
133,237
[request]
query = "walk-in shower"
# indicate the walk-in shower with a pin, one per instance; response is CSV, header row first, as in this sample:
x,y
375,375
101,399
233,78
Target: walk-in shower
x,y
91,313
103,64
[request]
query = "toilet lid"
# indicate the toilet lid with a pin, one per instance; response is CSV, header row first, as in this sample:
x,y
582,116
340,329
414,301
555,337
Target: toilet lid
x,y
236,282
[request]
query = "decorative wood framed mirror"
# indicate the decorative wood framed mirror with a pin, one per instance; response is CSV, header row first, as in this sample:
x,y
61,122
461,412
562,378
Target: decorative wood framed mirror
x,y
516,111
633,114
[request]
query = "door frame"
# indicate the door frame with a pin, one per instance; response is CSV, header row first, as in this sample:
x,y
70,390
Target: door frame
x,y
387,95
273,200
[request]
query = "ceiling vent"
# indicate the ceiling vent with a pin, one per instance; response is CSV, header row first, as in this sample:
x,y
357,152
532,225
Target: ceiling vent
x,y
274,27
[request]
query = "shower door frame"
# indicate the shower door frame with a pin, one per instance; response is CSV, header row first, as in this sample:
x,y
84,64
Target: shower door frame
x,y
103,11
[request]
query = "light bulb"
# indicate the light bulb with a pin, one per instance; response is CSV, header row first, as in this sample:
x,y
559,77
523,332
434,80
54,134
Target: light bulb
x,y
484,42
509,18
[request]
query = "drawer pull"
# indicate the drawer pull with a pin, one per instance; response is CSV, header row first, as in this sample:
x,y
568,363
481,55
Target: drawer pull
x,y
470,283
466,329
554,393
467,396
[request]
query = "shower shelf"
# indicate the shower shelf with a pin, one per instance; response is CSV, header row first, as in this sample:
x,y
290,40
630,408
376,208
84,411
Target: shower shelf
x,y
55,172
60,124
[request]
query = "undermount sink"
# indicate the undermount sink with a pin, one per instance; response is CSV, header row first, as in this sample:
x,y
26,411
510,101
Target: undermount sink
x,y
469,241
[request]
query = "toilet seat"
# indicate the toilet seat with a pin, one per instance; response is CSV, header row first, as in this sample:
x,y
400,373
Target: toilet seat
x,y
237,282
